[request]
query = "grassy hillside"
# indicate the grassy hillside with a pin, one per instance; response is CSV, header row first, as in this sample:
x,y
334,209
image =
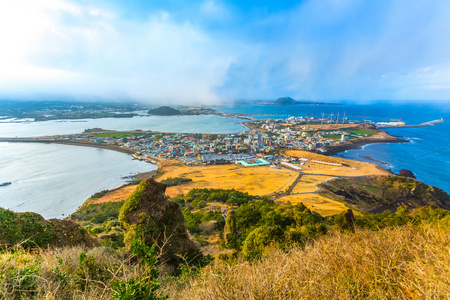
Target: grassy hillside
x,y
407,262
379,193
164,111
402,262
262,250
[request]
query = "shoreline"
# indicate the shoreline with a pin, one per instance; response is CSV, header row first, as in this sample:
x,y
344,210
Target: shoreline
x,y
70,143
359,143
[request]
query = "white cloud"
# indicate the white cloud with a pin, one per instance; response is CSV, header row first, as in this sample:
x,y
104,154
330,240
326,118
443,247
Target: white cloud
x,y
58,47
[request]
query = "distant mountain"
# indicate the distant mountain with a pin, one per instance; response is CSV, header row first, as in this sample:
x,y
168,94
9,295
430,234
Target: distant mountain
x,y
286,101
164,111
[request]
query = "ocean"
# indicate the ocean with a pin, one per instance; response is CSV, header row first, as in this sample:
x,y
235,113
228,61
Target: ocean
x,y
427,154
53,180
188,124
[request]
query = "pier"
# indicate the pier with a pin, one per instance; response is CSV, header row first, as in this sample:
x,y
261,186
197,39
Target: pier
x,y
425,124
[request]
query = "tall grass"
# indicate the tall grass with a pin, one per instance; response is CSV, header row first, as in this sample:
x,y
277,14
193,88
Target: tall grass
x,y
407,262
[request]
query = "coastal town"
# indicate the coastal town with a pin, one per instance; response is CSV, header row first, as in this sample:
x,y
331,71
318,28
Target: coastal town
x,y
263,139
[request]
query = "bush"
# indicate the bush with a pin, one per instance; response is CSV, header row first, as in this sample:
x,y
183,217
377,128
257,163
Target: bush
x,y
175,181
142,287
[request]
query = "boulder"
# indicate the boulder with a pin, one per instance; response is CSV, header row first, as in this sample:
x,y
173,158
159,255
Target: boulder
x,y
406,173
147,214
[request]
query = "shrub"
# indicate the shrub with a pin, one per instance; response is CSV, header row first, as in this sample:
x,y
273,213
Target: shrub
x,y
142,287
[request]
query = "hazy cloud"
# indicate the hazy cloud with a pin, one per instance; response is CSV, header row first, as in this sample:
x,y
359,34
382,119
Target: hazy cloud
x,y
217,50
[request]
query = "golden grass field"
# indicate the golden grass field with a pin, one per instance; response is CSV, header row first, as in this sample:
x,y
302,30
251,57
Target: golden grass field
x,y
116,195
262,180
349,168
317,203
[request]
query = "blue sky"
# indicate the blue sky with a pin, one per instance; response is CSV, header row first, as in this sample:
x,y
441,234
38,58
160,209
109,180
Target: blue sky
x,y
213,51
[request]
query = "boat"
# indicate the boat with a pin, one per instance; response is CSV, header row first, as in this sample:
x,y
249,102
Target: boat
x,y
5,183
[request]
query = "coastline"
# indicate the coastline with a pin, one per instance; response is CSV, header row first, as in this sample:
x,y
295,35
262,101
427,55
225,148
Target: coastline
x,y
70,143
381,137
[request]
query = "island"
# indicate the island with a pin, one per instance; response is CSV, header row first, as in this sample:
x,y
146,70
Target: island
x,y
164,111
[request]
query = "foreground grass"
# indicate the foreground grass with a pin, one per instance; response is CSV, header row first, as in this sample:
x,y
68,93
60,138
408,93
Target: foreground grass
x,y
408,262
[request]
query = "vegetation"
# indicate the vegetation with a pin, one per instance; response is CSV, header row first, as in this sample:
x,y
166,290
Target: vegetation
x,y
149,215
386,256
120,134
337,136
406,262
28,229
175,181
164,111
378,193
362,132
99,194
144,286
265,250
96,213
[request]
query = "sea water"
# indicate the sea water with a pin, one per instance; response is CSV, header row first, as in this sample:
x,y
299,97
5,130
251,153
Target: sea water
x,y
179,124
427,154
54,180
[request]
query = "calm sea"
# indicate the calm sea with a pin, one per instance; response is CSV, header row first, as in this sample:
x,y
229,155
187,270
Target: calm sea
x,y
427,155
188,124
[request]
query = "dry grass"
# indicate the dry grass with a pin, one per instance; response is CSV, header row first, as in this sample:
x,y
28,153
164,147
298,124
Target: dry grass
x,y
328,127
309,183
396,263
323,206
260,180
408,262
263,180
51,274
349,168
116,195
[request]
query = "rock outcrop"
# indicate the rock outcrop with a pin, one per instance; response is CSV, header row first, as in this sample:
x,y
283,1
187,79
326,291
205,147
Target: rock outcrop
x,y
148,215
406,173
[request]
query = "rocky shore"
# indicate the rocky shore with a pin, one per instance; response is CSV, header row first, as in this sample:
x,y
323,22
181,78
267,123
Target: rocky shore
x,y
380,137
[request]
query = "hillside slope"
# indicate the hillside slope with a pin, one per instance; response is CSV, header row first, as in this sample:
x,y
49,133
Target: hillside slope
x,y
379,193
407,262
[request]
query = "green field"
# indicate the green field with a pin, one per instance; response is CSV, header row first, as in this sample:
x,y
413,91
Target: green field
x,y
118,134
359,131
336,136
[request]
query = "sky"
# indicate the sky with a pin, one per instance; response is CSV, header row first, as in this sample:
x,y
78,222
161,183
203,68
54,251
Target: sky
x,y
211,51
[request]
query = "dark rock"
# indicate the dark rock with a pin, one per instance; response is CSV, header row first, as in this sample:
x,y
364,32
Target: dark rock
x,y
406,173
148,215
